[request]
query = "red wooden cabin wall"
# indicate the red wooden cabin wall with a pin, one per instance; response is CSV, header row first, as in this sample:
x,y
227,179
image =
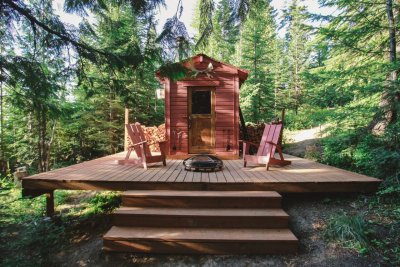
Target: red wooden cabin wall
x,y
226,82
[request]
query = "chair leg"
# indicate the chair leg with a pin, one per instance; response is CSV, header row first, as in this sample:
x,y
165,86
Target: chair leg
x,y
278,147
281,161
128,154
144,164
143,158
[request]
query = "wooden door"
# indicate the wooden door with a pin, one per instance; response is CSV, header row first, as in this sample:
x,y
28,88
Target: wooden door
x,y
201,114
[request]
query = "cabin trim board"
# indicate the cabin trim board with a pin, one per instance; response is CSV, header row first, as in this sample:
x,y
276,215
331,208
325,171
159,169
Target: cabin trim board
x,y
167,115
196,83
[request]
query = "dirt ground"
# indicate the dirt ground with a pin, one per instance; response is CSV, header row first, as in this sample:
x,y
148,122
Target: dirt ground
x,y
299,141
308,214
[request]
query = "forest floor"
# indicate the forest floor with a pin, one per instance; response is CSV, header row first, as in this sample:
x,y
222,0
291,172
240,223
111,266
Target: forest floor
x,y
369,225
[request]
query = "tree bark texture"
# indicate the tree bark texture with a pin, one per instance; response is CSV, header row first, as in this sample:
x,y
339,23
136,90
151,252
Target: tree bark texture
x,y
391,94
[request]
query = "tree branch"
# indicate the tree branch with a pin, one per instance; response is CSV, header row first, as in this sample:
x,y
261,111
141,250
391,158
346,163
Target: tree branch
x,y
63,36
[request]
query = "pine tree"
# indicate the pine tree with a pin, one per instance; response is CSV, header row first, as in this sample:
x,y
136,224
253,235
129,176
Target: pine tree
x,y
34,87
114,87
222,41
297,39
258,48
364,37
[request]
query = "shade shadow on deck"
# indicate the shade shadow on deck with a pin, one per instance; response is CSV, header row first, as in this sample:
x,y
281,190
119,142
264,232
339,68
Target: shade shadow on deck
x,y
104,174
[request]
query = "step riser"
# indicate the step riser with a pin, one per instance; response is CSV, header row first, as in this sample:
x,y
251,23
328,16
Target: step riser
x,y
193,247
197,222
200,221
202,202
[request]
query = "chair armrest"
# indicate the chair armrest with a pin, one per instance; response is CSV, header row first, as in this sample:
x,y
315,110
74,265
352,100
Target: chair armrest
x,y
251,143
140,143
272,143
246,146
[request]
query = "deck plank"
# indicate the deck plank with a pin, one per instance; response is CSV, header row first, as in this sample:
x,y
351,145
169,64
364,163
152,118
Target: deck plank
x,y
189,177
213,177
249,176
167,174
227,174
196,177
181,176
158,172
237,172
105,174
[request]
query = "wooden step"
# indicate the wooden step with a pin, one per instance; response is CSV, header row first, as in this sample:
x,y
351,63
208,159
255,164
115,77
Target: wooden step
x,y
199,240
200,217
202,199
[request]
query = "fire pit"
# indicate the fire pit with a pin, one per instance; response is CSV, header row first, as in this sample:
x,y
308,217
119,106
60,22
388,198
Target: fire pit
x,y
204,163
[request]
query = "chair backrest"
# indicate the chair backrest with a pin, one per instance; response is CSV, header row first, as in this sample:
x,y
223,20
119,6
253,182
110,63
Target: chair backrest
x,y
136,134
271,134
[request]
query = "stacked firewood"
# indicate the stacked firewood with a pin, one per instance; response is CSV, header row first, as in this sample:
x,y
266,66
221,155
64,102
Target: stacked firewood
x,y
154,135
254,132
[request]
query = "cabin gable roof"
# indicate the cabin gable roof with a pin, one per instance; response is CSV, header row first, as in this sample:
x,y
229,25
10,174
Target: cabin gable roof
x,y
201,59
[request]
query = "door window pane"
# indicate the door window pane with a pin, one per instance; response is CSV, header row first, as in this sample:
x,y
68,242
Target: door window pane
x,y
201,102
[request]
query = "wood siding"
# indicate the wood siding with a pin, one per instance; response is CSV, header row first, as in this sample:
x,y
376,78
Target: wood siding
x,y
225,80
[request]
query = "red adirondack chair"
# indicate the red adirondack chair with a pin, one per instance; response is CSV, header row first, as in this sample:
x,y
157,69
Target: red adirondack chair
x,y
267,147
139,143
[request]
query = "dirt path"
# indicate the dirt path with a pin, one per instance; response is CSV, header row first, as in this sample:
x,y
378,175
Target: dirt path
x,y
298,141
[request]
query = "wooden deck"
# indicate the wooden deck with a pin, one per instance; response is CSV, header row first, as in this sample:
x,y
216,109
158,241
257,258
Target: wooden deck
x,y
104,174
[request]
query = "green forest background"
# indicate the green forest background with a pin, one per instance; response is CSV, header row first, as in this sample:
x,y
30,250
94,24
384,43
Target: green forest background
x,y
64,89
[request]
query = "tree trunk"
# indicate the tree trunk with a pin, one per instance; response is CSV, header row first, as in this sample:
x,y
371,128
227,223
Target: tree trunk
x,y
1,122
42,123
390,96
243,125
111,120
256,108
48,147
3,165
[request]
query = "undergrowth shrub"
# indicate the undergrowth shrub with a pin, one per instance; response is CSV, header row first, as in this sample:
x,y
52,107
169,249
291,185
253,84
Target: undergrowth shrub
x,y
360,151
28,238
6,182
33,243
307,117
104,202
352,230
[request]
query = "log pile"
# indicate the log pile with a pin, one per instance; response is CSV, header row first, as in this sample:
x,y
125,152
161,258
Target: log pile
x,y
254,132
154,135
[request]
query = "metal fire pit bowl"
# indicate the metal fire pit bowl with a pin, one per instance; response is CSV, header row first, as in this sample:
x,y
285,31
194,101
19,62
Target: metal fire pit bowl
x,y
203,163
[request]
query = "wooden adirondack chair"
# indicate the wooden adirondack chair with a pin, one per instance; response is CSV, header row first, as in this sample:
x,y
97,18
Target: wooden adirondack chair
x,y
267,147
139,143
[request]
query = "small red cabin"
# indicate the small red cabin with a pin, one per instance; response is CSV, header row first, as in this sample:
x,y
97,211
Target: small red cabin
x,y
202,109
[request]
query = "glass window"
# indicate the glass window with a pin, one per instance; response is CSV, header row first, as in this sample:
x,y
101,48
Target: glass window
x,y
201,102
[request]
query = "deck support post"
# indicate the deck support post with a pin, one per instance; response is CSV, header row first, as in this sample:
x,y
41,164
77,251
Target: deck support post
x,y
126,131
50,204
